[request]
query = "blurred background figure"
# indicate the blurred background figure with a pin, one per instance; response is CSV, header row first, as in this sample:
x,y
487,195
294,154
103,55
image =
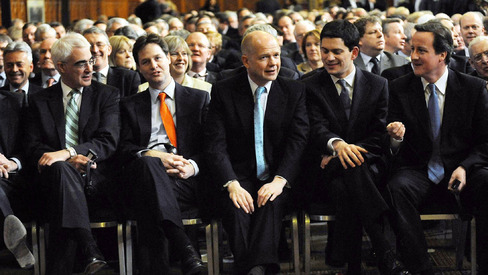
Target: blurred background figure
x,y
311,49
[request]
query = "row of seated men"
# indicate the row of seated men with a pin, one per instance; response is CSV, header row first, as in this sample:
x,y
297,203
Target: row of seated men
x,y
76,146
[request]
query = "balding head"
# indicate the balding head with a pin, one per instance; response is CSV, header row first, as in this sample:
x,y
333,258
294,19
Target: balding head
x,y
471,26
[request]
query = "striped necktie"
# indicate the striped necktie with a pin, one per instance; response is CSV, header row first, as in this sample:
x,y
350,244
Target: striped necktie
x,y
72,114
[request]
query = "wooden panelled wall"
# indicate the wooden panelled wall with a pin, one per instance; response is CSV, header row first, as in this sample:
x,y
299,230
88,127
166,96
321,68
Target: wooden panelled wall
x,y
122,8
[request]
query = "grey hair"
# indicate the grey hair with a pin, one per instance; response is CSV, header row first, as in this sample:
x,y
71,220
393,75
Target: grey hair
x,y
44,28
5,38
82,25
119,20
262,27
97,31
18,46
475,41
64,46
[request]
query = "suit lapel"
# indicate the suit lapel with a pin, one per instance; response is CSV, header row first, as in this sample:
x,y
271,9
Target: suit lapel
x,y
454,95
359,62
329,91
244,103
111,78
416,97
56,107
359,97
87,102
275,112
182,114
5,136
142,110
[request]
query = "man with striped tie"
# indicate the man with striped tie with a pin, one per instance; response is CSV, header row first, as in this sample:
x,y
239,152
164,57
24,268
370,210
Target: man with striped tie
x,y
64,123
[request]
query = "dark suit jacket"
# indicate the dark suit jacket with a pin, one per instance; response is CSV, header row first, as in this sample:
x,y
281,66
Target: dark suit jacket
x,y
366,124
127,81
211,77
267,6
99,124
464,130
191,110
229,138
10,114
388,60
33,89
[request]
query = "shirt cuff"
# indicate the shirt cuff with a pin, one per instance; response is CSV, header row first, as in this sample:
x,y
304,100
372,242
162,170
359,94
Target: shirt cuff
x,y
227,183
17,161
395,144
287,185
139,154
195,167
331,147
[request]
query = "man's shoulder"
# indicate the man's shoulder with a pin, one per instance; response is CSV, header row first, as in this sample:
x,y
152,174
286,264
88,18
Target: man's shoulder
x,y
396,59
191,92
122,71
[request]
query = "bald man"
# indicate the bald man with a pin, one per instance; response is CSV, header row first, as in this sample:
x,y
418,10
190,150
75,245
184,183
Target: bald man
x,y
256,132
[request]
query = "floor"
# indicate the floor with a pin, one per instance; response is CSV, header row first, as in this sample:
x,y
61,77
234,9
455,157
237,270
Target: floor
x,y
439,236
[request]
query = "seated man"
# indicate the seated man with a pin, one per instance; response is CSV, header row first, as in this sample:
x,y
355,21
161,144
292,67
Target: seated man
x,y
439,139
64,125
161,145
253,157
13,187
347,109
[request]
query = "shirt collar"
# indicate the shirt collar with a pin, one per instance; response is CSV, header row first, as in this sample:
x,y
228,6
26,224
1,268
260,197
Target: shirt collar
x,y
169,91
45,77
366,58
254,86
67,89
440,84
25,88
200,73
104,71
3,75
349,78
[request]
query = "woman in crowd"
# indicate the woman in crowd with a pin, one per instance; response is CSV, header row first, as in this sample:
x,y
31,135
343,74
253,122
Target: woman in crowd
x,y
311,50
180,56
121,55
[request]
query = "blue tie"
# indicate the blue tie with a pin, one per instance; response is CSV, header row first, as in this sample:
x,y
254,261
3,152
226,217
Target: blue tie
x,y
259,135
346,101
435,166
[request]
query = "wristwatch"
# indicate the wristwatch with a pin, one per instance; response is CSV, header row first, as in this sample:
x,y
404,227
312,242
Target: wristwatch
x,y
72,152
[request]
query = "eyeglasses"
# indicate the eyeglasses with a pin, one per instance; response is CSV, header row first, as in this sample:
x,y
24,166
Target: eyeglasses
x,y
84,63
478,58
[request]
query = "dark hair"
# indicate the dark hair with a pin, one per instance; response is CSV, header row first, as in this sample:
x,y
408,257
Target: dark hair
x,y
341,29
144,40
389,21
442,38
127,31
362,22
55,24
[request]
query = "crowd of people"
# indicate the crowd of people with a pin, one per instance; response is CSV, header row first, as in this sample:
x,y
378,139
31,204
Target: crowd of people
x,y
245,116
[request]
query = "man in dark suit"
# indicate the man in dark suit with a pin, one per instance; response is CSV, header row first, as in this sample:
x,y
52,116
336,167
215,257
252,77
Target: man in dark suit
x,y
4,40
478,58
48,75
18,66
127,81
471,24
14,192
64,125
438,135
163,158
347,110
372,57
256,165
200,47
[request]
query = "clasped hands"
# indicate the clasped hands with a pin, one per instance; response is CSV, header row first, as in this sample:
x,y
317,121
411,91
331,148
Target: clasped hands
x,y
176,165
6,166
79,161
268,192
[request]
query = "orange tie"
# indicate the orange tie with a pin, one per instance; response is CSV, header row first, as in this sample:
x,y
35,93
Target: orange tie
x,y
167,118
50,82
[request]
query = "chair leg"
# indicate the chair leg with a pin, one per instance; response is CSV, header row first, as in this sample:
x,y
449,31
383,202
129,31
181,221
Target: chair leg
x,y
128,246
296,252
42,249
121,249
215,245
209,243
35,248
461,243
473,247
307,243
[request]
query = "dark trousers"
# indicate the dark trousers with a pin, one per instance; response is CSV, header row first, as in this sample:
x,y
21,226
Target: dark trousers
x,y
409,190
15,198
354,195
254,238
158,200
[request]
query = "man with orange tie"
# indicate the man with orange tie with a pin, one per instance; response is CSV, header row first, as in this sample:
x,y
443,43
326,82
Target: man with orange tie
x,y
48,75
17,58
161,148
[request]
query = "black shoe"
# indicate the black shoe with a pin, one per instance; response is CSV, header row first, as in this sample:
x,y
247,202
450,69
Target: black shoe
x,y
390,265
191,262
94,260
257,270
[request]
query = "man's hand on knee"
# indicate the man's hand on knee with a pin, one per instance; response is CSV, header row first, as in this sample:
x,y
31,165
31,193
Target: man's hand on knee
x,y
240,197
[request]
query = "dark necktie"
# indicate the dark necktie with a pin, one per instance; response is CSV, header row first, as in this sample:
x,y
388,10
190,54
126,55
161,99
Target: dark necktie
x,y
435,166
98,76
24,99
376,66
346,101
259,134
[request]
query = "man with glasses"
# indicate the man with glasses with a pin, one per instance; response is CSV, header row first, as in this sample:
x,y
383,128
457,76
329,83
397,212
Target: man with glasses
x,y
127,81
68,125
478,52
200,47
